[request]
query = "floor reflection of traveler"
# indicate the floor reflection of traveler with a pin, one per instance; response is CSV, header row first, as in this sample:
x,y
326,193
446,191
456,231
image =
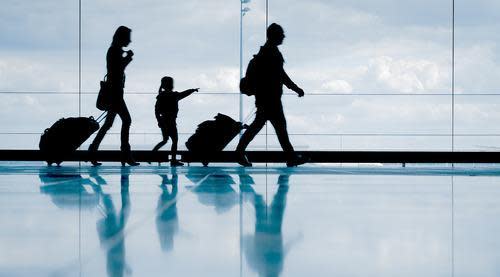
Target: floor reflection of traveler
x,y
167,222
112,226
67,191
264,249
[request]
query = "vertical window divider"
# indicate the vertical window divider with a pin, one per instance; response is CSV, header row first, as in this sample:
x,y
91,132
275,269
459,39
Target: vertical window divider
x,y
452,75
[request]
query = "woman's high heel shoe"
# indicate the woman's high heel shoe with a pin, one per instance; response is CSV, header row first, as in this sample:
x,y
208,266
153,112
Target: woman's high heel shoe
x,y
92,153
126,158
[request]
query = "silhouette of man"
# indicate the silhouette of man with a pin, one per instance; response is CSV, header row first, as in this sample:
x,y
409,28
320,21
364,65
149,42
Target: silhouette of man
x,y
269,89
116,61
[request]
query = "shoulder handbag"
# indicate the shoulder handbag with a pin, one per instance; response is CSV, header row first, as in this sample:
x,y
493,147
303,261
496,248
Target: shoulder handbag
x,y
104,98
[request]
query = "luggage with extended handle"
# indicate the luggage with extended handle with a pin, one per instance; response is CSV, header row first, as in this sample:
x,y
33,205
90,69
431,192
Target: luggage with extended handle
x,y
213,136
66,135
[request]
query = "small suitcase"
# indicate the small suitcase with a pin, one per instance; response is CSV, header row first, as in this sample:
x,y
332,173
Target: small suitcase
x,y
212,136
65,136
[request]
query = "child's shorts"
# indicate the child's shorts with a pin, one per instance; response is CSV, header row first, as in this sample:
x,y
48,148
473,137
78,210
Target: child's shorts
x,y
168,128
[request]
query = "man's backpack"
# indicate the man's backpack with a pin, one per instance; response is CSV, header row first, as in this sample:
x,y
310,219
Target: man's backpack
x,y
248,84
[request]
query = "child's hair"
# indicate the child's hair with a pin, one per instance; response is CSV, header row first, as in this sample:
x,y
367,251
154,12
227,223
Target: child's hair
x,y
167,82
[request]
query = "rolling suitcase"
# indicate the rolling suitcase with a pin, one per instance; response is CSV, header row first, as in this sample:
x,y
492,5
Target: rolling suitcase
x,y
65,136
212,136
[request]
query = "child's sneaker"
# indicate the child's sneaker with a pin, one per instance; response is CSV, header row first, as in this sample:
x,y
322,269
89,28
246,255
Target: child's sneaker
x,y
176,163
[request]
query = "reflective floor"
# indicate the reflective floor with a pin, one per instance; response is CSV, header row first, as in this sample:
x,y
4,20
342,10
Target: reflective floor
x,y
230,221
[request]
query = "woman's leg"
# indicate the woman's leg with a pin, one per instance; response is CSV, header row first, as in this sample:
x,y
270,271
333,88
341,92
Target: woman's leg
x,y
102,132
126,122
125,145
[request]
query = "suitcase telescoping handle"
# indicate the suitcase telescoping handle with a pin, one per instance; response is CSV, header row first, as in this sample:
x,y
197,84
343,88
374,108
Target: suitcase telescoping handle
x,y
102,116
249,116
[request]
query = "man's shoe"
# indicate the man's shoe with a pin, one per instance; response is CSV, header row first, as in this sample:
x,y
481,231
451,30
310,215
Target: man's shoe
x,y
297,160
242,160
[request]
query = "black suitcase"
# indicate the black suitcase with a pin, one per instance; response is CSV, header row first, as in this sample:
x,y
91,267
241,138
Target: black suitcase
x,y
65,136
212,136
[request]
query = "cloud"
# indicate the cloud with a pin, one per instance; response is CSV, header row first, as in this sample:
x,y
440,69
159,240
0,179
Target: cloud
x,y
406,75
35,73
225,79
337,86
478,68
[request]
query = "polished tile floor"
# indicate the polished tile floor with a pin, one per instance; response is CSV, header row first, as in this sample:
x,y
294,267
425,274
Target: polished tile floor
x,y
230,221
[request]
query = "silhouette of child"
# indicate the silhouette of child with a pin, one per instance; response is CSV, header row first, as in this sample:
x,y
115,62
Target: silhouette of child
x,y
166,109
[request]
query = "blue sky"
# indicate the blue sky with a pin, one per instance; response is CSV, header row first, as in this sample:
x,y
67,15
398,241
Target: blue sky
x,y
382,46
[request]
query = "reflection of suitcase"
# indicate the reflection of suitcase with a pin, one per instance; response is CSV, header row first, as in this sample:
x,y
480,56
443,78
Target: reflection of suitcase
x,y
65,136
212,136
67,191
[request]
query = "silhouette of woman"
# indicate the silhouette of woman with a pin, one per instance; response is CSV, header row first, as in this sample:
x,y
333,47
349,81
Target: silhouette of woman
x,y
116,61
